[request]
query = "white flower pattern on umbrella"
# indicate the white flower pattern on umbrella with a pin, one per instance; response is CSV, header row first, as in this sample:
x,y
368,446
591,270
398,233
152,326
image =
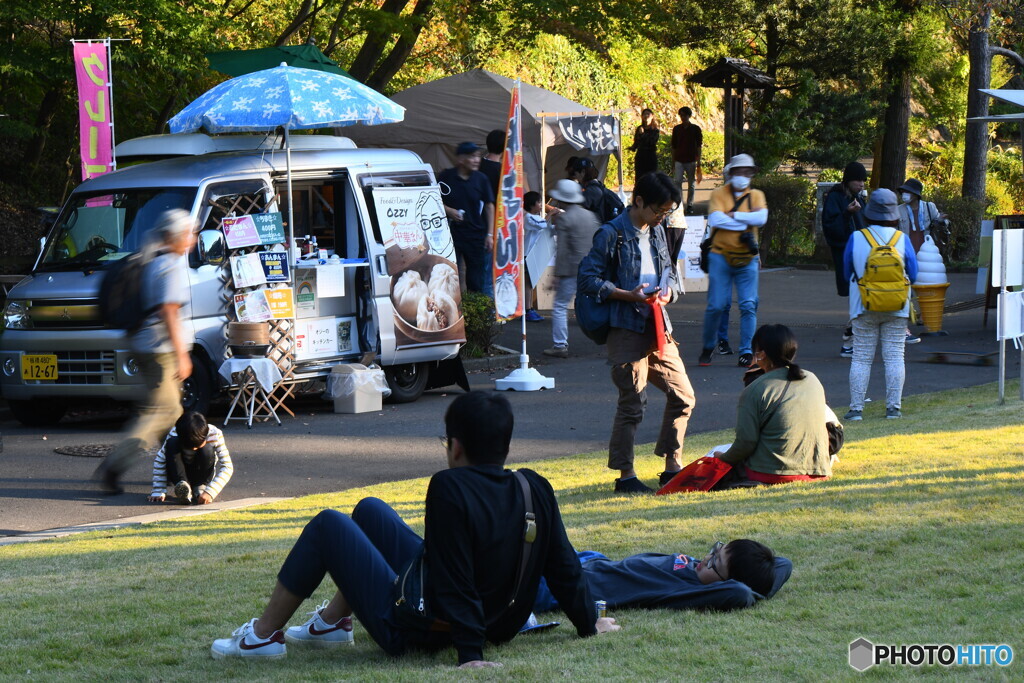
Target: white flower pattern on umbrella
x,y
282,100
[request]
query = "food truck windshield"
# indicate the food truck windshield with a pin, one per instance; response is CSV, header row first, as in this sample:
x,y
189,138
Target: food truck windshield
x,y
94,229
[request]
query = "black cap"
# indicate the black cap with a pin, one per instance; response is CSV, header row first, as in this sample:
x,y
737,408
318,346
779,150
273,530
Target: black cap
x,y
913,186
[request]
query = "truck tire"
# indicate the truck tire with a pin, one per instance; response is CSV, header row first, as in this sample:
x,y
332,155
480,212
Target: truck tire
x,y
197,390
38,413
407,381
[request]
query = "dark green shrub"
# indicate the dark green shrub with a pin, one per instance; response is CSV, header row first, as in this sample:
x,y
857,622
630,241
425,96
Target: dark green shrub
x,y
481,326
789,231
964,223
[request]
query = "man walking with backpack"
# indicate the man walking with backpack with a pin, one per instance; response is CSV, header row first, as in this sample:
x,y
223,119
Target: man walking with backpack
x,y
881,262
160,342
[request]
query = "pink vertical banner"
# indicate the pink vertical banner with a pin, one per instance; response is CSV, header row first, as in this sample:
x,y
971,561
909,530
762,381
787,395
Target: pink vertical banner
x,y
95,114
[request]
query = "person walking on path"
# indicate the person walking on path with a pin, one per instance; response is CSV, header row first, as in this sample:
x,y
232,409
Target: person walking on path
x,y
736,212
469,205
645,145
574,231
870,326
687,141
161,345
841,217
626,264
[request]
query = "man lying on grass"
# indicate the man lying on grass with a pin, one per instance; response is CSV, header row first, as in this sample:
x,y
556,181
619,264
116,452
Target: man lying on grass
x,y
463,583
730,576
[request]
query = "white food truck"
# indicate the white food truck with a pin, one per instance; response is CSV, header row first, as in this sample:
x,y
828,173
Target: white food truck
x,y
381,279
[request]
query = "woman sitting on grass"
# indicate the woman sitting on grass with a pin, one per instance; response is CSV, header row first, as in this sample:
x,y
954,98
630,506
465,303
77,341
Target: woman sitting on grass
x,y
780,426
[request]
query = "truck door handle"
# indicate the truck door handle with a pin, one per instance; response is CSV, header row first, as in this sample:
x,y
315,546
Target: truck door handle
x,y
382,265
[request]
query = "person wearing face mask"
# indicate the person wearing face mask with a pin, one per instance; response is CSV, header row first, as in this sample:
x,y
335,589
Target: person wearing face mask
x,y
916,216
840,218
735,213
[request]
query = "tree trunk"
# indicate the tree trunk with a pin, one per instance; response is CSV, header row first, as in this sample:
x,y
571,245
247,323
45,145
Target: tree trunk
x,y
892,162
300,18
402,49
976,137
376,42
44,117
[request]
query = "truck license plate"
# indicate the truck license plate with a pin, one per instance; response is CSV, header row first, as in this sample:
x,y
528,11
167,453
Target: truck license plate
x,y
39,367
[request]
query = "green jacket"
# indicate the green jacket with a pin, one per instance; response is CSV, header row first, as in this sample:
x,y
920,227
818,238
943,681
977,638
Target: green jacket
x,y
780,430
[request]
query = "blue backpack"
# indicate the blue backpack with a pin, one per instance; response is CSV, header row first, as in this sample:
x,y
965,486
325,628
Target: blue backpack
x,y
594,317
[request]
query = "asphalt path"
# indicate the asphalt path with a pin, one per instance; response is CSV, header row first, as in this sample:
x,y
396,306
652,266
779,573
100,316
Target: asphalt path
x,y
318,451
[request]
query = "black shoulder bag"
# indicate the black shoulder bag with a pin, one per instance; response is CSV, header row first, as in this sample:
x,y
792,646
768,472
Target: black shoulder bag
x,y
413,612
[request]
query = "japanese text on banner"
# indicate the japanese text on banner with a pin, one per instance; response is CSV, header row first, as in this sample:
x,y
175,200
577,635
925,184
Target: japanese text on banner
x,y
508,224
95,108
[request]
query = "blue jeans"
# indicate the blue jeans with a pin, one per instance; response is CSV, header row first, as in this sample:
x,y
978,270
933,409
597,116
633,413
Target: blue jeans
x,y
721,277
363,554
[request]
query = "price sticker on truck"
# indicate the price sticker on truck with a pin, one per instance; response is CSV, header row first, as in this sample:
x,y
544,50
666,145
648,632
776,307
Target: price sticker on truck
x,y
39,367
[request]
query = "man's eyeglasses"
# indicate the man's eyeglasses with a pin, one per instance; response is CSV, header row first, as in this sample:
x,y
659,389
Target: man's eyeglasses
x,y
445,441
432,223
712,559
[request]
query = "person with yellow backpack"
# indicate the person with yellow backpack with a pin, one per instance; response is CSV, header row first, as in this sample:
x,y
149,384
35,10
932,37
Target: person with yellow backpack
x,y
881,263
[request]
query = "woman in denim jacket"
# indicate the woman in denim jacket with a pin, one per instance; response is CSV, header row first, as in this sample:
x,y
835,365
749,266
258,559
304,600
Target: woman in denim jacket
x,y
640,343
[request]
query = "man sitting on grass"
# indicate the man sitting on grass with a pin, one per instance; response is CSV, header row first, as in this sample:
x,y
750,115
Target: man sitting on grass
x,y
194,460
472,548
730,576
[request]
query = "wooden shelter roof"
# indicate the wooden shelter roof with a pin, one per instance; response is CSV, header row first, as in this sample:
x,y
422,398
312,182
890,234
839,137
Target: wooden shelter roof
x,y
719,75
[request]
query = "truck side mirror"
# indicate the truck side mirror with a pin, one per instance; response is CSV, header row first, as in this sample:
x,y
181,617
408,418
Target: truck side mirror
x,y
211,247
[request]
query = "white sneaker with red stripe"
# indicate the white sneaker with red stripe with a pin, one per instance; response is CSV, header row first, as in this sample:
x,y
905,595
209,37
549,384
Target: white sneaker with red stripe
x,y
245,643
318,633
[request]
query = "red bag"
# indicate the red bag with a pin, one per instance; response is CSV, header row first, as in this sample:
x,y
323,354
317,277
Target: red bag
x,y
700,475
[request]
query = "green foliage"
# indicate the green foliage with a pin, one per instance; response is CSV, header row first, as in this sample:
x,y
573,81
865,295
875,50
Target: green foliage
x,y
830,175
809,123
790,227
964,216
481,327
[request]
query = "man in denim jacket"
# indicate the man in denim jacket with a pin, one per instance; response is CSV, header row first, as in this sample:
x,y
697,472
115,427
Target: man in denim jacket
x,y
640,343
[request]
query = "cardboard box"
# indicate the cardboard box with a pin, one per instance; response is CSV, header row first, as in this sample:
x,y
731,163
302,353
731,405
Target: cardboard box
x,y
366,398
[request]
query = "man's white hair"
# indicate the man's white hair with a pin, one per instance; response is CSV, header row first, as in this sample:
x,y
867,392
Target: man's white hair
x,y
172,224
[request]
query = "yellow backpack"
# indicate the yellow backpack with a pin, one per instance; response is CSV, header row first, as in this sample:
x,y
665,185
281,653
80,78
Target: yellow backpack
x,y
884,286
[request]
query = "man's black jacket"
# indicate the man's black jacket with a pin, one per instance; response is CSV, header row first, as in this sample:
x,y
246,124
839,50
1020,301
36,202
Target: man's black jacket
x,y
474,541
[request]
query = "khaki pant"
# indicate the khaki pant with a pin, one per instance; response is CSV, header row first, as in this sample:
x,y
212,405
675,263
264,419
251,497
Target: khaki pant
x,y
634,360
157,413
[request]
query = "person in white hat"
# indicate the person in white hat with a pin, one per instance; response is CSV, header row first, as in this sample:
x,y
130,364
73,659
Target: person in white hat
x,y
735,213
574,231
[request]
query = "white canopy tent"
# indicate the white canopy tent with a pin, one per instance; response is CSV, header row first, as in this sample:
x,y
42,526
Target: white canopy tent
x,y
466,107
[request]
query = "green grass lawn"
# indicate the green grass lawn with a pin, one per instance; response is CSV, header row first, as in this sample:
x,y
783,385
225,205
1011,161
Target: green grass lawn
x,y
916,539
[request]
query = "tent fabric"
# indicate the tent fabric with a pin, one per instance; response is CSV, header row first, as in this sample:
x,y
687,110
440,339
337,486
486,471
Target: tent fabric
x,y
441,114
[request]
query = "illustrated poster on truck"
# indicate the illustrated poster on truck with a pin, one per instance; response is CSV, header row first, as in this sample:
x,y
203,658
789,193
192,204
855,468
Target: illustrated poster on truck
x,y
420,256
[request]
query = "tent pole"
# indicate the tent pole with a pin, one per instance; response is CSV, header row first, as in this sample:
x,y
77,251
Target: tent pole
x,y
618,151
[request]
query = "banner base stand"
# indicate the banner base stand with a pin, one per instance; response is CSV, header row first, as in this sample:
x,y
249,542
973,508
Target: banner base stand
x,y
524,379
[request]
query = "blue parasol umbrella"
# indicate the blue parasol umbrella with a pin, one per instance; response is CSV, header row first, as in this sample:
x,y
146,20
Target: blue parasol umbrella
x,y
286,97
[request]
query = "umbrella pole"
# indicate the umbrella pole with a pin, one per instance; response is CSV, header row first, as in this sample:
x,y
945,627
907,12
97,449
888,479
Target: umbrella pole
x,y
291,199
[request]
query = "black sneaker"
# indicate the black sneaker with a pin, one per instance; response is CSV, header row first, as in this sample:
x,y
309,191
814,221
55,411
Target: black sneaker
x,y
666,477
633,486
724,349
746,360
705,357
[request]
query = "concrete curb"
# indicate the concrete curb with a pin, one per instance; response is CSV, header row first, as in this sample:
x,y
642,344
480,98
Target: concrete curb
x,y
162,516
